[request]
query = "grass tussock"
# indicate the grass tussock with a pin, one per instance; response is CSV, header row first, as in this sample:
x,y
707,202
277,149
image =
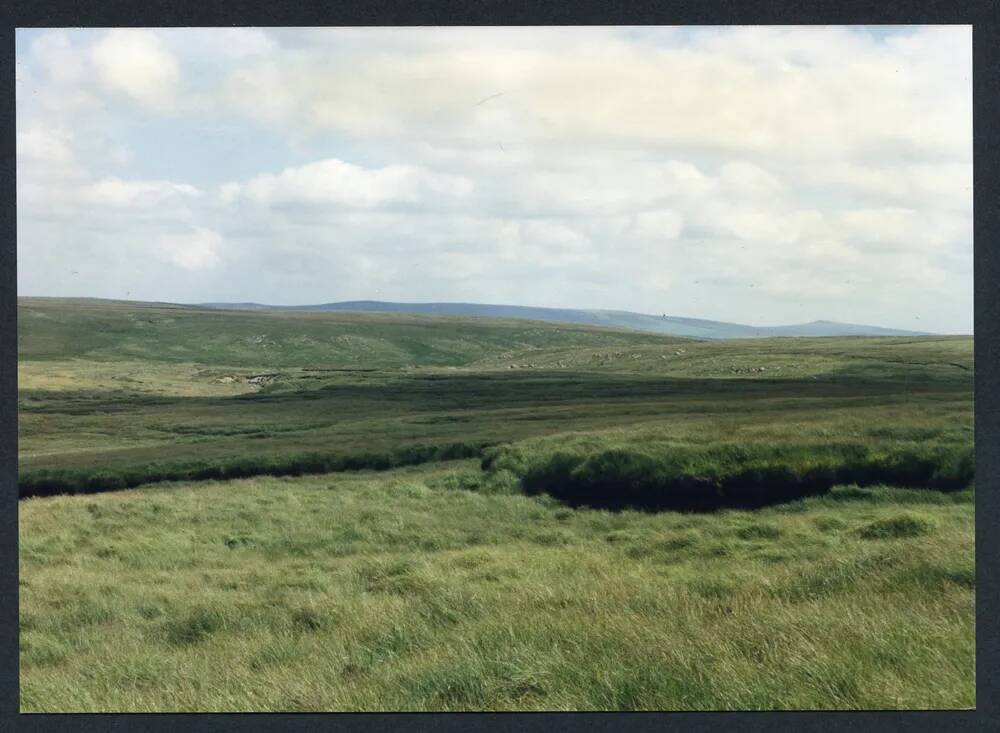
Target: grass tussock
x,y
725,476
49,482
412,590
902,525
114,395
298,537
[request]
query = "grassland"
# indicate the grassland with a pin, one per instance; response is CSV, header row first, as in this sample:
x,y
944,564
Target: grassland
x,y
254,573
166,393
422,589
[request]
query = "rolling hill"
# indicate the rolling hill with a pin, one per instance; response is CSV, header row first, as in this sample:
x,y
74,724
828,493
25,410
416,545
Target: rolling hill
x,y
667,325
290,509
196,390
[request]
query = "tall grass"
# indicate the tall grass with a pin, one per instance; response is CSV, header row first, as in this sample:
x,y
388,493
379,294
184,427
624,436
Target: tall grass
x,y
354,391
748,475
445,586
49,482
416,589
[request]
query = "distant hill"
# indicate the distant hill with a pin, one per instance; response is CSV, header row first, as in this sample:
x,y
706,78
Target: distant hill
x,y
264,339
667,325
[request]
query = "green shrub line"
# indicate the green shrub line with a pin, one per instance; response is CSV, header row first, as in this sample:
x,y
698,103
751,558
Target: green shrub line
x,y
49,482
679,478
739,476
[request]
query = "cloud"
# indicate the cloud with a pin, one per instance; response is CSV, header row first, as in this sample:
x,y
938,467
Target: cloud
x,y
117,192
819,92
747,180
41,147
661,224
743,173
218,45
59,57
137,63
47,165
904,230
339,184
194,250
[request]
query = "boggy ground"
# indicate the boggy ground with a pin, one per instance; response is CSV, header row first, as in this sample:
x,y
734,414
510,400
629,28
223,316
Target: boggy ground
x,y
501,581
434,588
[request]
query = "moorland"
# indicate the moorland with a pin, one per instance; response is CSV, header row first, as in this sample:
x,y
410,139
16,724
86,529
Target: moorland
x,y
291,510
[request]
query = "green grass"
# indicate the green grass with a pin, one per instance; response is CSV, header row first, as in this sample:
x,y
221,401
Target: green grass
x,y
256,563
442,588
110,397
108,331
745,475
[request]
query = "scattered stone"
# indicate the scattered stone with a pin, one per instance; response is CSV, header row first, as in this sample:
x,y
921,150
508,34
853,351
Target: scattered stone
x,y
259,379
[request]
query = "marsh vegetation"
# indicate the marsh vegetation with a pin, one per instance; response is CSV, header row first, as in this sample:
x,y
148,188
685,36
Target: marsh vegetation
x,y
327,511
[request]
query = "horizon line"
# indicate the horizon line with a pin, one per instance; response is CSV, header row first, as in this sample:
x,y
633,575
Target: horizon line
x,y
206,303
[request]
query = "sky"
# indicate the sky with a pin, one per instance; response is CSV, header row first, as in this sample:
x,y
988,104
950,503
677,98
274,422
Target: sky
x,y
761,175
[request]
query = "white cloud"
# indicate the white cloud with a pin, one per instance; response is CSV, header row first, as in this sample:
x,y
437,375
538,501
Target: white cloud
x,y
59,57
749,181
46,164
661,224
44,147
137,63
114,191
905,230
743,173
820,92
337,183
220,44
194,250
